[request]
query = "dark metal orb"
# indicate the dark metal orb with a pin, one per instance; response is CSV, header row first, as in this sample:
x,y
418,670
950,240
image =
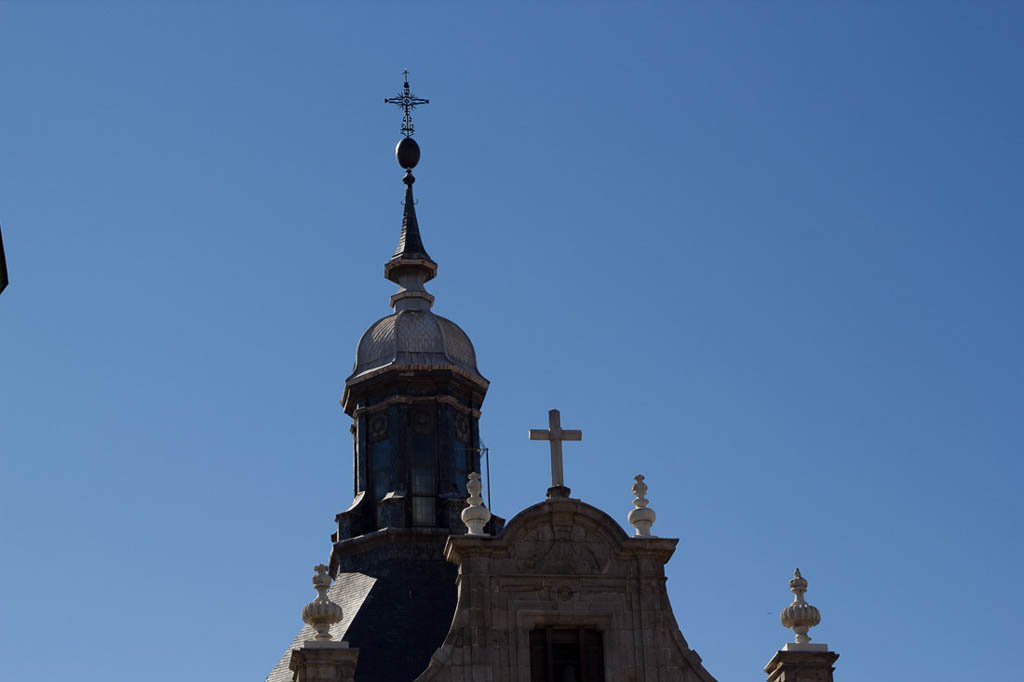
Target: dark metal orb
x,y
407,152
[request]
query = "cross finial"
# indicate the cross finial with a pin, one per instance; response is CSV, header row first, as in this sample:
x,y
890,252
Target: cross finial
x,y
407,101
556,434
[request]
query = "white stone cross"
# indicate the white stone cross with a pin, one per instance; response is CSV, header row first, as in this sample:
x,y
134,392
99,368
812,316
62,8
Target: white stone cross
x,y
556,434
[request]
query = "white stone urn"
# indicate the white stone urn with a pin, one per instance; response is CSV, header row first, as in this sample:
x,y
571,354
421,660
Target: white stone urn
x,y
322,613
799,615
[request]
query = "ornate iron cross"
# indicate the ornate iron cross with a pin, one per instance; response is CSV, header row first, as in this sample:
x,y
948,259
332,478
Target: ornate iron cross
x,y
407,101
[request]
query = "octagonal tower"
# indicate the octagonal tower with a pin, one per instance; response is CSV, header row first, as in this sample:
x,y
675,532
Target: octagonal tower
x,y
414,396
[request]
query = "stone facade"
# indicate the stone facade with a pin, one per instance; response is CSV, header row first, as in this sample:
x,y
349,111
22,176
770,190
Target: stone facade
x,y
562,564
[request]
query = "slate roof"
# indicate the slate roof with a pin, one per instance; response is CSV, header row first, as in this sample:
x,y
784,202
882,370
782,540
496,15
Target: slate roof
x,y
410,244
398,595
414,339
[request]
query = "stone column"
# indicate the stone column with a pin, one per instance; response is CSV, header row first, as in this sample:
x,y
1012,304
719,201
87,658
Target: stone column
x,y
801,666
324,662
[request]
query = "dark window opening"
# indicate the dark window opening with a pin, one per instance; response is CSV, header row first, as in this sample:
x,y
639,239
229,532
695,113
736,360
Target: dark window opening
x,y
381,467
461,470
566,655
423,481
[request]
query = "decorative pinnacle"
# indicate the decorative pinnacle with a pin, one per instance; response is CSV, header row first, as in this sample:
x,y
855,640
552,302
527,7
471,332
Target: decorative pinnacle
x,y
322,613
410,267
410,244
407,102
476,515
799,615
641,517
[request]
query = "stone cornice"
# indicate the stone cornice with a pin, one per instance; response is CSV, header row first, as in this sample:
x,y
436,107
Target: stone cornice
x,y
354,381
386,536
411,399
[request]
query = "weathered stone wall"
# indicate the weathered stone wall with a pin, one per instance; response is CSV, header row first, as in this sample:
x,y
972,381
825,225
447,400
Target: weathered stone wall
x,y
562,563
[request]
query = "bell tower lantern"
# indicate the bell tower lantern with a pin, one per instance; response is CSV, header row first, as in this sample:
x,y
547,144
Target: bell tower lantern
x,y
414,394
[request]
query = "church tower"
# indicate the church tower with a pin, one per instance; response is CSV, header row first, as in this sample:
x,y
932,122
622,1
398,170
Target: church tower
x,y
414,397
560,594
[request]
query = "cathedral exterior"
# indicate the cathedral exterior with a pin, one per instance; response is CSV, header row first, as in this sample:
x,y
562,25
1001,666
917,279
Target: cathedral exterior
x,y
424,584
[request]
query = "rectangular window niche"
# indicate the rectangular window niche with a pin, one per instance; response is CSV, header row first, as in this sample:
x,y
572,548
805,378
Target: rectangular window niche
x,y
562,646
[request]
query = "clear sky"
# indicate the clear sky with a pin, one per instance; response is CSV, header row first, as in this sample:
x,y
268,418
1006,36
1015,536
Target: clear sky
x,y
767,254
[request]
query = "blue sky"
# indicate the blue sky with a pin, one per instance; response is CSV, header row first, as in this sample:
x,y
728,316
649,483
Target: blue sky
x,y
767,255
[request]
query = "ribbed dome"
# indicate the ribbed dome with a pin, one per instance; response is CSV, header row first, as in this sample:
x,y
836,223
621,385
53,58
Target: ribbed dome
x,y
414,339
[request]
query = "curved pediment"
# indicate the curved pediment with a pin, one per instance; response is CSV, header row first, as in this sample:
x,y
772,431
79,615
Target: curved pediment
x,y
562,537
559,513
562,566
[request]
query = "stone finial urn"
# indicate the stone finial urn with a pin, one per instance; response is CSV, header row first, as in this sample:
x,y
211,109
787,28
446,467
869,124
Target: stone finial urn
x,y
799,615
641,517
476,515
322,613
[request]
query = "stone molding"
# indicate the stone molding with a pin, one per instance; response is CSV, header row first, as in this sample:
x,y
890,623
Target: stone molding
x,y
385,536
378,426
801,666
478,381
324,663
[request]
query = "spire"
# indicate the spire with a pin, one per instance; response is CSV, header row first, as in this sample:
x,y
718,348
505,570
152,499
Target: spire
x,y
410,244
410,267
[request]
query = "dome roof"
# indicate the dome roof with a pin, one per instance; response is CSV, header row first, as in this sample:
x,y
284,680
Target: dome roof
x,y
414,339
